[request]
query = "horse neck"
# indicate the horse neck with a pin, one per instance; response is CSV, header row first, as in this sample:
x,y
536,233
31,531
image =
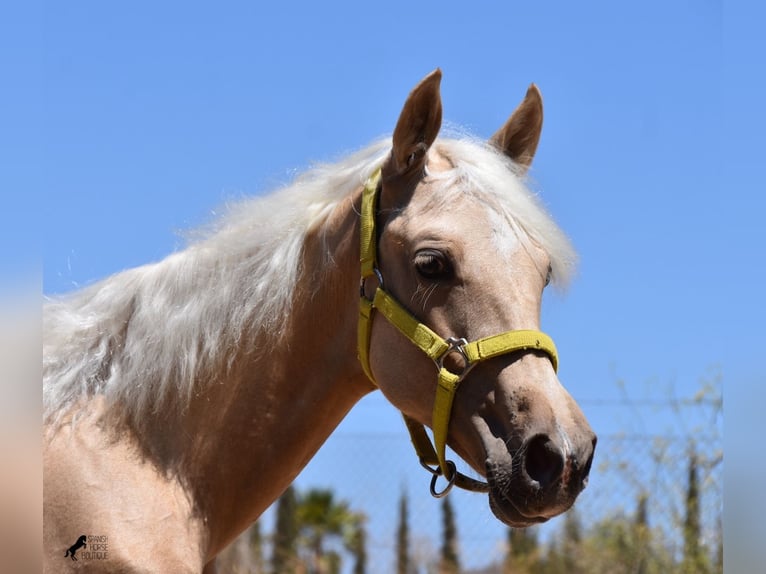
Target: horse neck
x,y
252,434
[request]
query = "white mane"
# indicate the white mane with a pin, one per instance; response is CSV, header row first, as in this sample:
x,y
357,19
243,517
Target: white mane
x,y
143,337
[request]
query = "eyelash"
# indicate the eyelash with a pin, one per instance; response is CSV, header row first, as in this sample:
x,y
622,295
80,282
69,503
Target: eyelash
x,y
433,265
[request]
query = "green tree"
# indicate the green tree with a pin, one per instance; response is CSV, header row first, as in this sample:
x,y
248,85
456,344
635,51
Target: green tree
x,y
572,543
322,517
641,535
449,562
695,560
612,547
523,551
256,548
357,544
719,546
553,562
403,536
284,553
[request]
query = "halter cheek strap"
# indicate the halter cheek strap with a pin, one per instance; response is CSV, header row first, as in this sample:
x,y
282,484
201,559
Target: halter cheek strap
x,y
434,346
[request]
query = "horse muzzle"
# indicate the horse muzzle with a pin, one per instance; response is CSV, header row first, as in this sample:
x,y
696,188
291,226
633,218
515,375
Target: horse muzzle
x,y
539,480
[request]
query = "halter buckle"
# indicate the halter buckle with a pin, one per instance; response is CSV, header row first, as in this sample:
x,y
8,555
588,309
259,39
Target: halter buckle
x,y
456,345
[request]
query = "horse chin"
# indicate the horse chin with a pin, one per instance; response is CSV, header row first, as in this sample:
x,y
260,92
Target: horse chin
x,y
506,512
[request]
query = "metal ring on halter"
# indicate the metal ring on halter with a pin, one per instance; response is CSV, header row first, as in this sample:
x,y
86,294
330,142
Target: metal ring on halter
x,y
378,276
436,473
456,345
458,479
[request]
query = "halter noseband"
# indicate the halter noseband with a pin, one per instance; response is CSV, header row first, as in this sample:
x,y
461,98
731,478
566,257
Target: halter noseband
x,y
435,347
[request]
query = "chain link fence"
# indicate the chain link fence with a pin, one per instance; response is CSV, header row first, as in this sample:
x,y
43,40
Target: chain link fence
x,y
654,504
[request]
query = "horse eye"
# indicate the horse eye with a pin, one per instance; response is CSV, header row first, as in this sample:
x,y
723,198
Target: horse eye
x,y
433,265
548,276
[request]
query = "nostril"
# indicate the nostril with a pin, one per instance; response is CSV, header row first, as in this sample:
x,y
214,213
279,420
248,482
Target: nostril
x,y
543,460
588,464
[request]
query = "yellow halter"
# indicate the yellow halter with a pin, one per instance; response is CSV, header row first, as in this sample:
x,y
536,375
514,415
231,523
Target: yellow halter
x,y
435,347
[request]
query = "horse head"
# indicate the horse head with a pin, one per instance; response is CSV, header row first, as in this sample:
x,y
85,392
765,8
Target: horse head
x,y
466,251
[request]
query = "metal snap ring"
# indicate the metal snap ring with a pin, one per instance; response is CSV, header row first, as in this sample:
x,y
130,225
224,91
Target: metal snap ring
x,y
378,276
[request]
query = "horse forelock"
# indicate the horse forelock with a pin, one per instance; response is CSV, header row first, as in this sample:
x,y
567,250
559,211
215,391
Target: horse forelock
x,y
483,172
145,337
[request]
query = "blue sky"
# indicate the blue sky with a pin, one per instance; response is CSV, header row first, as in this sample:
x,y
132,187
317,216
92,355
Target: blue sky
x,y
155,114
151,115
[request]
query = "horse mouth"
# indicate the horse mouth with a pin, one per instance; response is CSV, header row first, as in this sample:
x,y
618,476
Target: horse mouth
x,y
508,513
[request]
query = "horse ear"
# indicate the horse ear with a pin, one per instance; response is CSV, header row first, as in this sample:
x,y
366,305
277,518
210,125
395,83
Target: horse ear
x,y
519,137
418,125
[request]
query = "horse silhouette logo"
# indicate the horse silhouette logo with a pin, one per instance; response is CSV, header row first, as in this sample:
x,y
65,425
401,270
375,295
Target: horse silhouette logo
x,y
76,546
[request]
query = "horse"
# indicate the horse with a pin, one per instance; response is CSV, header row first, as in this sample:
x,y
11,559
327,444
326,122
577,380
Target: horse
x,y
182,397
72,550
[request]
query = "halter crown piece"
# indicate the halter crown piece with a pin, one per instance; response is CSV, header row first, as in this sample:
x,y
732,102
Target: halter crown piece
x,y
435,347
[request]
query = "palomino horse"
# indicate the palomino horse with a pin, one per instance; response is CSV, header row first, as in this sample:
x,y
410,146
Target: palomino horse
x,y
183,397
